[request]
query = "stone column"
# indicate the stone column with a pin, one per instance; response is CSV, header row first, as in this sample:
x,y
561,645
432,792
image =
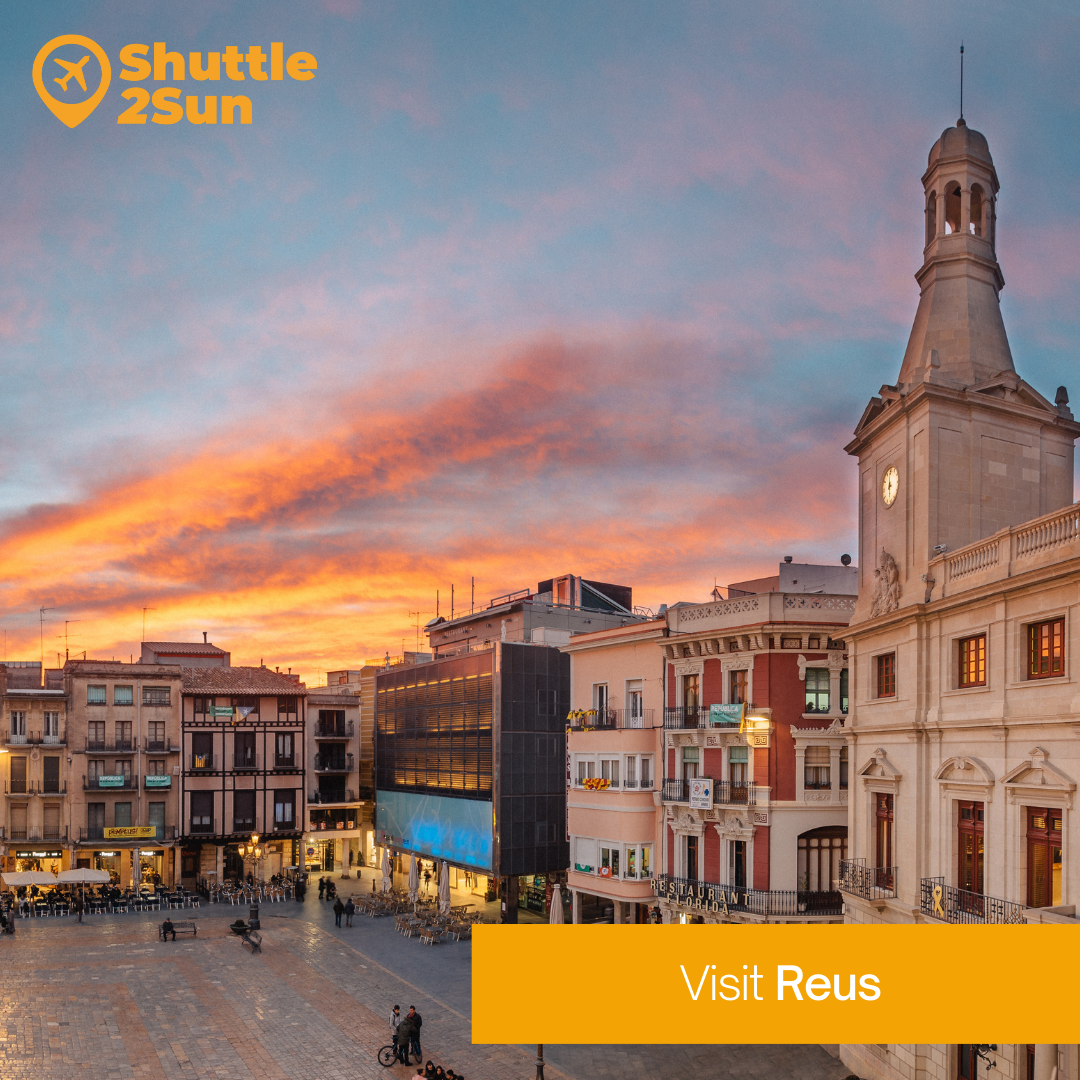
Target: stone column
x,y
575,906
1045,1060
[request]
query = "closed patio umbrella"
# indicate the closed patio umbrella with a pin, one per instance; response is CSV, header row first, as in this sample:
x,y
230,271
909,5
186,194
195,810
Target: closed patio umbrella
x,y
556,916
444,889
387,880
414,881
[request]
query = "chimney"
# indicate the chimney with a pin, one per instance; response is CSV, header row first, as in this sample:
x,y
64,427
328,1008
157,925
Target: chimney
x,y
204,641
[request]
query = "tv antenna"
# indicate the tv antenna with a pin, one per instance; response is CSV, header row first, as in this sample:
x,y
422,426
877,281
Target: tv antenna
x,y
41,637
417,614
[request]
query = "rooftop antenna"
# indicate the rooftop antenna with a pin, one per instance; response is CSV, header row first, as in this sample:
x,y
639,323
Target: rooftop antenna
x,y
417,614
41,636
961,84
67,623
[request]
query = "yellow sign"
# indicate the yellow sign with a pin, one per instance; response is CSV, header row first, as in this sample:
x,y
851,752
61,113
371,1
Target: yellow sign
x,y
779,983
72,113
131,832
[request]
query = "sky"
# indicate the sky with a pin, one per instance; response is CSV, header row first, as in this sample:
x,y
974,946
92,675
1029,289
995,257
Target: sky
x,y
505,291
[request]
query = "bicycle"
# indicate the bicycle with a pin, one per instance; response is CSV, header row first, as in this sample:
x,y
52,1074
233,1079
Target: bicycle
x,y
388,1055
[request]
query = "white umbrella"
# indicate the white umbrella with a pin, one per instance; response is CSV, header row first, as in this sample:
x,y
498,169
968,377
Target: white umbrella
x,y
29,877
387,880
556,916
444,890
84,876
414,881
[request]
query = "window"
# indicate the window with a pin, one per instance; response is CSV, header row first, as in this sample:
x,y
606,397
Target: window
x,y
50,775
18,775
844,690
637,771
95,820
244,750
156,817
95,735
155,735
123,695
202,750
738,766
155,695
737,681
203,705
635,712
630,773
95,695
283,749
202,811
1044,856
970,837
18,726
156,767
585,770
123,768
817,690
284,804
821,851
886,675
600,700
646,772
816,771
1046,649
967,1062
286,708
243,811
95,767
609,862
737,863
545,702
973,661
122,815
52,725
609,770
123,735
843,768
692,858
690,755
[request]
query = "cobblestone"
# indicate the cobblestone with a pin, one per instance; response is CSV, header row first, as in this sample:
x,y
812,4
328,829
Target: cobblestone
x,y
106,1000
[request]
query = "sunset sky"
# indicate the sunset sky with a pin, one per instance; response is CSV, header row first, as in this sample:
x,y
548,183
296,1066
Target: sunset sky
x,y
505,291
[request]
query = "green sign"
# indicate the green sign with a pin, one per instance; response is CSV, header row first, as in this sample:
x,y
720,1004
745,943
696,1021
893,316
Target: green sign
x,y
726,714
158,780
111,781
221,710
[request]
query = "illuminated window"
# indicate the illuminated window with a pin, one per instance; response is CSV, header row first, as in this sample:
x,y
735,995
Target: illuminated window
x,y
817,690
1046,649
973,661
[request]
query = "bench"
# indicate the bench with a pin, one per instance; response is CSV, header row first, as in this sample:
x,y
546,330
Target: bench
x,y
179,928
254,939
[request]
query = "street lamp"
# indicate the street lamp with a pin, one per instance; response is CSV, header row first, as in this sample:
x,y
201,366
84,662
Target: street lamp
x,y
256,854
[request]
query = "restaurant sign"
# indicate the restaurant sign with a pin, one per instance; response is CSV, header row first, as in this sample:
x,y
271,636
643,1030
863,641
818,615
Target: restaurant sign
x,y
39,854
158,780
131,832
108,780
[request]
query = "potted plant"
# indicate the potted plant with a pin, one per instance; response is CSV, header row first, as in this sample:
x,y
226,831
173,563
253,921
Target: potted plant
x,y
239,927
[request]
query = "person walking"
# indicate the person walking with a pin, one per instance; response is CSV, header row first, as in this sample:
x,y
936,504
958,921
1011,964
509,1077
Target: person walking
x,y
427,879
322,887
339,910
406,1034
78,907
417,1023
350,911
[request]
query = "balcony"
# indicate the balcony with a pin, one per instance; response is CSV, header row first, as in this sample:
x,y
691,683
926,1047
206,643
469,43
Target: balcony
x,y
948,904
706,897
36,738
245,762
329,820
612,720
333,798
117,746
724,792
284,763
159,746
39,832
202,825
157,781
328,729
53,787
19,788
203,763
110,782
868,882
333,763
13,739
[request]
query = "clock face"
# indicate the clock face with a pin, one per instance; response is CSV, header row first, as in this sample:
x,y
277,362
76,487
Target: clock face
x,y
890,483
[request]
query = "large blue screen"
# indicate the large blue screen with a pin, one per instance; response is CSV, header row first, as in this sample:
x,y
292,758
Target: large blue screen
x,y
458,830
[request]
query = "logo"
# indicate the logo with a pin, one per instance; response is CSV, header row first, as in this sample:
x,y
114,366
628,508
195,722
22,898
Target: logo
x,y
70,111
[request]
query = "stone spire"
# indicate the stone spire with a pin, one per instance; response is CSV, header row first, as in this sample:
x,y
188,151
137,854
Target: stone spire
x,y
958,338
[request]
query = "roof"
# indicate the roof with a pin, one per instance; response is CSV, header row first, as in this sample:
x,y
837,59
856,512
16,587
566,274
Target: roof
x,y
238,680
183,648
118,667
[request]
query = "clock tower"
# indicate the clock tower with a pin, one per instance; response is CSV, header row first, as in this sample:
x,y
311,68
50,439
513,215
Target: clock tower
x,y
960,446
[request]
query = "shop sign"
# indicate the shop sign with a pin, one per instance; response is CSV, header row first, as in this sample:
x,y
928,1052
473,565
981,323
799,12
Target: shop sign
x,y
131,832
701,794
38,854
111,781
158,780
221,710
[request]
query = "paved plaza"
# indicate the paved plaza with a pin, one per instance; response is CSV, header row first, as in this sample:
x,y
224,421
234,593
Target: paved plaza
x,y
106,1000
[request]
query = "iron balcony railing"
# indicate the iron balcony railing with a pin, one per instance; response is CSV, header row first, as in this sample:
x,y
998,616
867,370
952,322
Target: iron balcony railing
x,y
329,729
333,763
53,787
612,720
16,738
203,763
869,882
19,787
284,763
117,746
244,761
36,737
946,903
108,782
324,798
39,832
716,899
724,792
686,717
159,746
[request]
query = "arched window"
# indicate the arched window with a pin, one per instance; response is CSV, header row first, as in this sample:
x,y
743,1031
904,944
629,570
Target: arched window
x,y
931,218
977,225
952,208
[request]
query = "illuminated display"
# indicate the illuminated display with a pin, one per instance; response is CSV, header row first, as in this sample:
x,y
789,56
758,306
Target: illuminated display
x,y
458,830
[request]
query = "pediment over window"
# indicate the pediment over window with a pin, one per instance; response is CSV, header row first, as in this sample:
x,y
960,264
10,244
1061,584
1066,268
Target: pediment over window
x,y
965,770
880,767
1038,772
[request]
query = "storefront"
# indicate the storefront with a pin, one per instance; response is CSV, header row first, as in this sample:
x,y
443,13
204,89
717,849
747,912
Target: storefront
x,y
44,858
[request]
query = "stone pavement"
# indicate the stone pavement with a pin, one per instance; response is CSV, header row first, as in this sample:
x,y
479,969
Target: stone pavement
x,y
106,1000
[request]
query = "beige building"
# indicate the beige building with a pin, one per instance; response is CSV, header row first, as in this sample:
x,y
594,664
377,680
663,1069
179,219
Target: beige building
x,y
123,752
964,680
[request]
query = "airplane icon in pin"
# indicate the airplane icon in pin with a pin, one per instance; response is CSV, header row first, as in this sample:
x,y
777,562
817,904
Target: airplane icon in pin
x,y
72,69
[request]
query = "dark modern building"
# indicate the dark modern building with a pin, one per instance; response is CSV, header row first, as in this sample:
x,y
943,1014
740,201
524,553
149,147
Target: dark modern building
x,y
470,765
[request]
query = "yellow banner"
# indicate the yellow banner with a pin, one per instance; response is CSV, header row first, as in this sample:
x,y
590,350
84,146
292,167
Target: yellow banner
x,y
131,832
777,984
